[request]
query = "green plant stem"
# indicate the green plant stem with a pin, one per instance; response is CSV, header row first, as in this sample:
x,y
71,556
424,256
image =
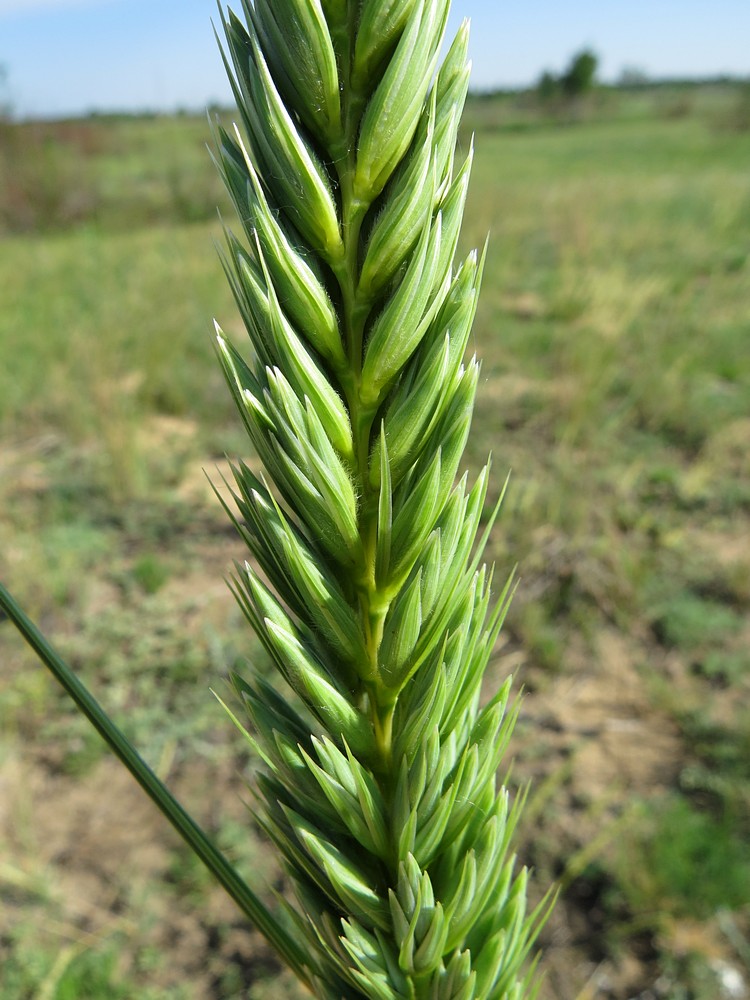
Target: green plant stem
x,y
182,822
354,312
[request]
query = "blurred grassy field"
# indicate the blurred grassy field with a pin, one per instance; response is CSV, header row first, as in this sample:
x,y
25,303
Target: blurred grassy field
x,y
614,330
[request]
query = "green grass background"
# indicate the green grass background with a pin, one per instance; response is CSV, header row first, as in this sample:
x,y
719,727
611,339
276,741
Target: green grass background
x,y
614,330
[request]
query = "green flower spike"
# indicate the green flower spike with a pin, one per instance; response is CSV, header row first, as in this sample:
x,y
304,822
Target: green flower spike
x,y
382,795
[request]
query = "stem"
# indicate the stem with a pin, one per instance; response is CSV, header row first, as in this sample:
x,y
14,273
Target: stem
x,y
383,720
182,822
355,310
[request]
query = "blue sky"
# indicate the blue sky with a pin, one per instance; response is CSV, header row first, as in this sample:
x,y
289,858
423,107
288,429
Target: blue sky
x,y
73,56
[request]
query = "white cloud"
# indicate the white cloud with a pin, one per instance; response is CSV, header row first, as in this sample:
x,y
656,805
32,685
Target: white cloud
x,y
31,6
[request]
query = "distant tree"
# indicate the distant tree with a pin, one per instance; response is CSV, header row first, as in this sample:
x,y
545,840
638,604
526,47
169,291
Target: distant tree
x,y
5,102
548,86
632,76
580,76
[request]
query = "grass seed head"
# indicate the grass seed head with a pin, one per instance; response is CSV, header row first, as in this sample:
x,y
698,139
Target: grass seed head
x,y
374,610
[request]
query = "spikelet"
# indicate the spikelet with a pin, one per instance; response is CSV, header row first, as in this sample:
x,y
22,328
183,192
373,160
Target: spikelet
x,y
366,586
